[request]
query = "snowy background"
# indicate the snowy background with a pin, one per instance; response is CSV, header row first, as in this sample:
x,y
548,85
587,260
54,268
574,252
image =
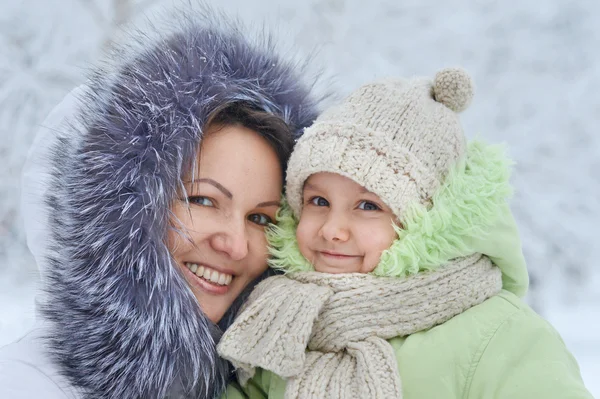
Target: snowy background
x,y
536,66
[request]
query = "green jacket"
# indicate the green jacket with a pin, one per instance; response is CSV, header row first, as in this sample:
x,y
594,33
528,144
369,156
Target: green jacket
x,y
498,349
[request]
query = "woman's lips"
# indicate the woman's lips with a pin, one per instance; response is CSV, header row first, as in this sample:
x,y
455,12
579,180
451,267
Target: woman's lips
x,y
209,273
202,283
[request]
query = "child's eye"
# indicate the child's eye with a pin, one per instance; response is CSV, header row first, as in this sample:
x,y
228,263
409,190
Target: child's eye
x,y
318,201
200,200
368,206
260,219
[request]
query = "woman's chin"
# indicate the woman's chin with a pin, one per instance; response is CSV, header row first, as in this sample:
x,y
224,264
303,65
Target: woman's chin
x,y
213,307
214,299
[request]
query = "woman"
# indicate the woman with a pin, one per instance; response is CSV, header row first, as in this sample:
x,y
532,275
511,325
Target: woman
x,y
156,199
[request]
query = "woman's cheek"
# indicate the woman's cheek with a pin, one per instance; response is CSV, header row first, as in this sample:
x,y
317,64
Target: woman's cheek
x,y
259,253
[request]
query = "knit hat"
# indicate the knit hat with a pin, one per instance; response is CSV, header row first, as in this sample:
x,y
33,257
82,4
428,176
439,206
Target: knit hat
x,y
396,138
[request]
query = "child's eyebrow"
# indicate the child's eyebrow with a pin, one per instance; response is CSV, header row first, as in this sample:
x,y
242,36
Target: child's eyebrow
x,y
364,190
310,186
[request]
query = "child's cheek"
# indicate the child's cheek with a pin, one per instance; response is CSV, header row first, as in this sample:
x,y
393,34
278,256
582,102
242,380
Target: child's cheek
x,y
379,237
305,233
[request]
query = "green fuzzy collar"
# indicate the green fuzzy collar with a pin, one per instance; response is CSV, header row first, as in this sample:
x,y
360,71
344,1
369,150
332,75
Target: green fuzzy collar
x,y
466,209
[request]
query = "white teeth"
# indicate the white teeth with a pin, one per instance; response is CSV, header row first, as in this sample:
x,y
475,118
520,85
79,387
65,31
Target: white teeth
x,y
206,273
214,277
210,274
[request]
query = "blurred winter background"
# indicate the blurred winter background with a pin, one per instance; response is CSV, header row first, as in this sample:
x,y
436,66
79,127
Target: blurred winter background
x,y
537,69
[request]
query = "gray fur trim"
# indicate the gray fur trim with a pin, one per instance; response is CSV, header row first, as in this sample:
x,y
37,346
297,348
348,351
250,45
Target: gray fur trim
x,y
124,324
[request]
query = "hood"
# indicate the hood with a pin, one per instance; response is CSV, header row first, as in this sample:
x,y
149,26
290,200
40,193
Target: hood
x,y
470,214
122,321
37,173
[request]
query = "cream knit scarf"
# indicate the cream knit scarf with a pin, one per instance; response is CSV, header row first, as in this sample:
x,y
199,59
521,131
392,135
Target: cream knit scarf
x,y
327,333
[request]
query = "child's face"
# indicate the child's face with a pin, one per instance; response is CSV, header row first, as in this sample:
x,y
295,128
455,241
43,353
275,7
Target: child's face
x,y
343,227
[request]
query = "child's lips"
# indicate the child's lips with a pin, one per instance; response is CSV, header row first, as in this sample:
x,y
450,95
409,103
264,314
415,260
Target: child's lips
x,y
336,262
336,255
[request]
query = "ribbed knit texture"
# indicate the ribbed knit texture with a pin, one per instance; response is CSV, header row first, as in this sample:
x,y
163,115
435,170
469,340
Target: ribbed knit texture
x,y
327,333
397,138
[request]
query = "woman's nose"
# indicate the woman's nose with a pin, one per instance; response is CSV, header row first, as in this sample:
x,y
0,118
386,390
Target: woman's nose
x,y
232,240
335,228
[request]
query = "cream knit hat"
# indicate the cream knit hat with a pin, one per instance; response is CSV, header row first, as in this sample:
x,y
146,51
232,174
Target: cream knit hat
x,y
396,138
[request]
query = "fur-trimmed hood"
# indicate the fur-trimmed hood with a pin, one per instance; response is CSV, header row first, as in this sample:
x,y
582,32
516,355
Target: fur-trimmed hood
x,y
123,323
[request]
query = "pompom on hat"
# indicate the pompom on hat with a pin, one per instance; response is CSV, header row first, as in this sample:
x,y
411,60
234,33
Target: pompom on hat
x,y
454,88
397,138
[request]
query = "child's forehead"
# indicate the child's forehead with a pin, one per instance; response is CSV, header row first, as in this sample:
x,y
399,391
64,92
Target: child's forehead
x,y
330,180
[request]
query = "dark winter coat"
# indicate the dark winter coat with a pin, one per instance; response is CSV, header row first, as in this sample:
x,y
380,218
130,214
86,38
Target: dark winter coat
x,y
117,320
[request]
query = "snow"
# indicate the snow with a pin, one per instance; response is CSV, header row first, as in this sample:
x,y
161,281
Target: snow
x,y
537,71
581,338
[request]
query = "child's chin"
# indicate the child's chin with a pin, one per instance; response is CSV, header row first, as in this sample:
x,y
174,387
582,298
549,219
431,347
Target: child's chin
x,y
333,270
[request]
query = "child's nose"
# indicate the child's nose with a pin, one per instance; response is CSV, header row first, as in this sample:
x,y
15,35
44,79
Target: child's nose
x,y
335,228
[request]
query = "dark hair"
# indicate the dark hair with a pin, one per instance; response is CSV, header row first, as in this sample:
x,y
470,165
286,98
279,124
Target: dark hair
x,y
267,125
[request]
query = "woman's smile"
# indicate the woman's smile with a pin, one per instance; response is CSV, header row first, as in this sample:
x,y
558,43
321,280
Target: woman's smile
x,y
208,279
210,274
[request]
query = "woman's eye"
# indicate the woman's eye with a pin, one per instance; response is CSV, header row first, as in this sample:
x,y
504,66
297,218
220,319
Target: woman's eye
x,y
318,201
260,219
368,206
202,201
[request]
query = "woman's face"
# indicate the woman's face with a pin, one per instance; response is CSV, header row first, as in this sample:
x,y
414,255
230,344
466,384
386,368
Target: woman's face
x,y
234,195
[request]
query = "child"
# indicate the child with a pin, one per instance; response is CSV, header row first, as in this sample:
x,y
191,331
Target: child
x,y
404,270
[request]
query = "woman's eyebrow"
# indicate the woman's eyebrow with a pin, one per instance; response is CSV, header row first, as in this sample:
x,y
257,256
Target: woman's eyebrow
x,y
268,203
216,184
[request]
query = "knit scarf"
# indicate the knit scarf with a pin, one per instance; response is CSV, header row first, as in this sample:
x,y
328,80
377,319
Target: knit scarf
x,y
327,333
